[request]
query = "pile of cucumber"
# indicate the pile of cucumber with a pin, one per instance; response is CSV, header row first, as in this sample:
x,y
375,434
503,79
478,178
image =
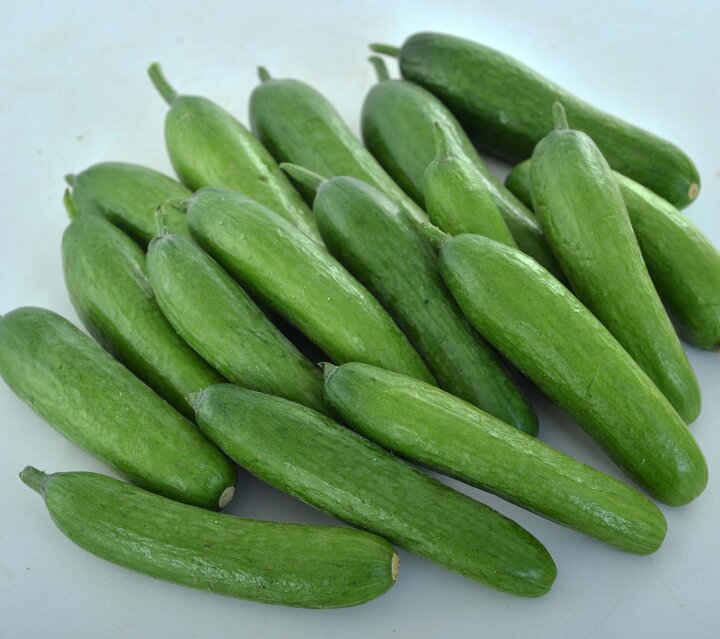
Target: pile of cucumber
x,y
327,314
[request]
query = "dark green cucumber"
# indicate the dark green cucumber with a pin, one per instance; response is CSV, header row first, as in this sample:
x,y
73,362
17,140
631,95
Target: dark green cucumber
x,y
220,321
332,468
126,195
209,147
107,280
506,107
398,127
297,124
300,281
426,425
98,404
683,263
275,563
552,338
586,223
369,234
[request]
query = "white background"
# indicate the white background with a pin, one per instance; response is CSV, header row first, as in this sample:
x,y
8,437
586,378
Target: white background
x,y
73,92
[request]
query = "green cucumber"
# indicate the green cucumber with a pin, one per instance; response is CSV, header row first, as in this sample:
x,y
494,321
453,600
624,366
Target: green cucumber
x,y
369,234
398,127
220,321
274,563
126,195
552,338
102,407
332,468
209,147
298,124
683,263
300,282
586,223
426,425
506,107
107,280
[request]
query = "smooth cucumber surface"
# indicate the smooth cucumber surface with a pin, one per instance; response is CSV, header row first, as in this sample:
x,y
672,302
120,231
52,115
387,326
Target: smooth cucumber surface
x,y
275,563
220,321
332,468
300,281
126,195
426,425
107,279
506,108
583,215
98,404
552,338
368,233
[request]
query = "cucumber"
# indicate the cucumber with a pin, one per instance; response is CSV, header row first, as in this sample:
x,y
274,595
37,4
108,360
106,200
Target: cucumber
x,y
297,124
328,466
275,563
220,321
126,195
586,223
552,338
683,263
505,106
426,425
398,127
300,282
107,280
102,407
369,234
209,147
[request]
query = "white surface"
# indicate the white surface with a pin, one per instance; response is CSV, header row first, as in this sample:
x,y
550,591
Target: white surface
x,y
74,92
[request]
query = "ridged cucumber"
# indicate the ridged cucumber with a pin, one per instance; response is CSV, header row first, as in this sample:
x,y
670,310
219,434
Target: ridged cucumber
x,y
328,466
102,407
275,563
552,338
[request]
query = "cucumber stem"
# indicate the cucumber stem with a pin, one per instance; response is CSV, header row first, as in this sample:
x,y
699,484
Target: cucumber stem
x,y
70,179
381,70
194,399
304,176
69,204
328,370
36,479
161,84
560,117
442,148
263,74
433,236
161,223
385,49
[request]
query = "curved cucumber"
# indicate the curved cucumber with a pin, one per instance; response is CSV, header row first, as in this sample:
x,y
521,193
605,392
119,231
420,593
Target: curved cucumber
x,y
220,321
398,127
102,407
299,281
426,425
553,339
506,107
683,263
585,221
126,195
298,124
209,147
372,238
276,563
328,466
108,284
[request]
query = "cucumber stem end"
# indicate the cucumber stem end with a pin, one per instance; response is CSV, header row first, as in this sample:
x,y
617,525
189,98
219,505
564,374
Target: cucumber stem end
x,y
34,478
328,370
263,74
381,70
303,176
161,84
560,117
385,49
69,203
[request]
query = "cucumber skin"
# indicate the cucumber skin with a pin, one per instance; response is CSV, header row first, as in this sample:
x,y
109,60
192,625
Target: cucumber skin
x,y
275,563
332,468
98,404
429,426
554,340
583,215
219,320
128,195
107,279
683,263
299,125
398,127
371,237
300,282
209,147
506,107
